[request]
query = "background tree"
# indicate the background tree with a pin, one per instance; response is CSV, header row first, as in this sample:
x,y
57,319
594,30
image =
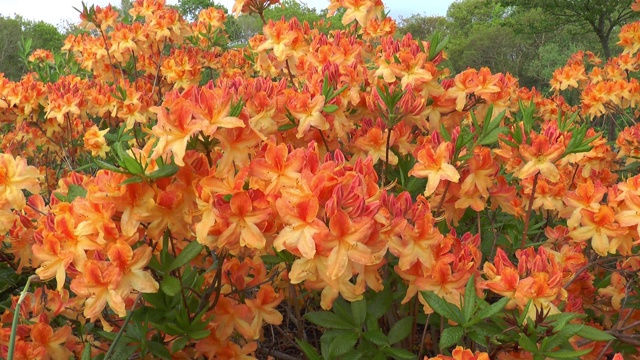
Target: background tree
x,y
600,17
16,29
422,27
10,35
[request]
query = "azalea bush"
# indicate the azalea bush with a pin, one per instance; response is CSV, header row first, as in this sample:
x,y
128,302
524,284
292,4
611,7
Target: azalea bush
x,y
319,193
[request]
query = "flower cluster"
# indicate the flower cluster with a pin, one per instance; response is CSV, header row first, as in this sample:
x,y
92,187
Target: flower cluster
x,y
190,194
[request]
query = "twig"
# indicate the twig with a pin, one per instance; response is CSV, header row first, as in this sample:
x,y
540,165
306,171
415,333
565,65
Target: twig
x,y
528,215
424,336
113,346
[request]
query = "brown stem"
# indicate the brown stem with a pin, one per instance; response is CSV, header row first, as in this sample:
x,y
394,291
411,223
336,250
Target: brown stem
x,y
178,274
528,215
296,308
444,194
424,336
293,84
264,21
6,260
324,141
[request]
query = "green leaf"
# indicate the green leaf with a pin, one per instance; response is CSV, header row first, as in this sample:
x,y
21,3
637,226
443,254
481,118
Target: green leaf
x,y
561,319
492,309
594,334
132,165
286,127
400,330
159,350
353,354
105,165
469,299
308,350
75,191
123,352
562,337
199,334
568,354
527,344
328,320
179,344
399,354
359,311
377,337
132,180
450,336
86,352
189,253
492,137
164,171
170,286
330,108
341,344
442,307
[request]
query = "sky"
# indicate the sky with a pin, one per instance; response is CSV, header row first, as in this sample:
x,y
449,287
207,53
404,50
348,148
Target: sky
x,y
56,11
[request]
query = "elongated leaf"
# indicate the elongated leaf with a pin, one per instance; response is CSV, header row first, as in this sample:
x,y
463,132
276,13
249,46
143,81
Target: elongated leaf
x,y
450,336
493,309
105,165
442,307
308,350
341,344
359,311
170,286
527,344
594,334
159,350
562,337
330,108
400,330
328,320
376,337
164,171
76,191
189,253
568,354
399,354
469,299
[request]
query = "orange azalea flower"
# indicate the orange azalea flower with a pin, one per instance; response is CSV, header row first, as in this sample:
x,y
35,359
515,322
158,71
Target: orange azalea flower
x,y
308,112
176,125
600,227
98,283
263,308
460,353
617,290
15,176
434,165
361,10
298,211
482,169
630,216
94,142
52,342
279,167
247,217
347,243
586,196
279,37
130,264
568,76
540,157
